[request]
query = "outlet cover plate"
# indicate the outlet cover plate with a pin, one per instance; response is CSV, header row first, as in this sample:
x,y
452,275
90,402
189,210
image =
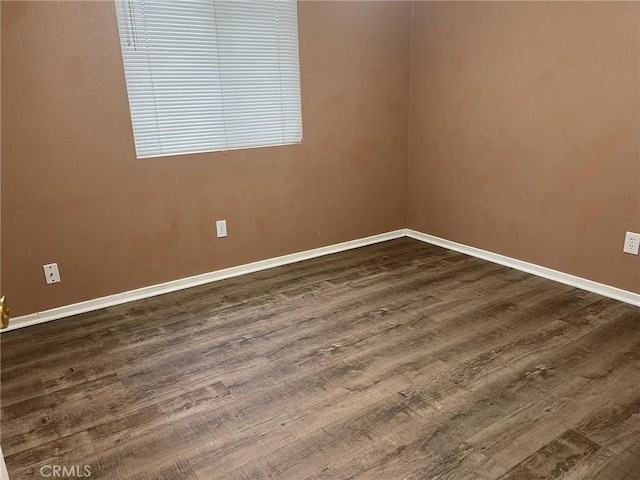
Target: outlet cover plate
x,y
51,273
631,243
221,228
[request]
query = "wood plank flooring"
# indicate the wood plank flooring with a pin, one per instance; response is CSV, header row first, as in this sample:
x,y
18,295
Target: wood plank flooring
x,y
397,360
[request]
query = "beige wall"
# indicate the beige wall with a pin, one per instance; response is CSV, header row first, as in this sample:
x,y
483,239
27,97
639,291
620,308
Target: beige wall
x,y
74,193
523,141
1,167
524,131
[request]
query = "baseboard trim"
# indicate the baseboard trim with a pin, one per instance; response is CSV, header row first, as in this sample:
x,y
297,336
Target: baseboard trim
x,y
180,284
566,278
4,475
183,283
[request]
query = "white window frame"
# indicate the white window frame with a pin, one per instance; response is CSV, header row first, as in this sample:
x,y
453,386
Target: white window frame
x,y
211,75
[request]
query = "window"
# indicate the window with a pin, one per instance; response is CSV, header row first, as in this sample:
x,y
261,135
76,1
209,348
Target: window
x,y
208,75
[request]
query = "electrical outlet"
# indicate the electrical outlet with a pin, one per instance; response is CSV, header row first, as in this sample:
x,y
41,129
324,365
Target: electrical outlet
x,y
221,228
631,243
51,273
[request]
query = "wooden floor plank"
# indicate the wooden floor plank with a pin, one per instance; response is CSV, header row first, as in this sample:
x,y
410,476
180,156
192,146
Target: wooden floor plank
x,y
397,360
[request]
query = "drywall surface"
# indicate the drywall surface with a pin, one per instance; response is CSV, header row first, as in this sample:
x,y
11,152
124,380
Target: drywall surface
x,y
74,193
524,131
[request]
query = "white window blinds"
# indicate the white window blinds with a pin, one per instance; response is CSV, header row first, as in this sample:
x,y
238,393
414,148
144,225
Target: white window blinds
x,y
207,75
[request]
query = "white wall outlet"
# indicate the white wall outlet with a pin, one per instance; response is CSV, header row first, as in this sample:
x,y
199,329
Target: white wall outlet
x,y
631,243
51,273
221,228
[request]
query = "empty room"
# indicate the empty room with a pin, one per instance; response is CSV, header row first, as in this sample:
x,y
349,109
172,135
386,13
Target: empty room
x,y
269,239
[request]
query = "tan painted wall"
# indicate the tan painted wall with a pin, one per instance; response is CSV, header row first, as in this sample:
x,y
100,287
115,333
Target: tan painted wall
x,y
523,141
524,131
74,193
1,166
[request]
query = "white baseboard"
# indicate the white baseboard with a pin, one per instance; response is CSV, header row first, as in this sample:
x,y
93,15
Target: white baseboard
x,y
4,475
153,290
566,278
